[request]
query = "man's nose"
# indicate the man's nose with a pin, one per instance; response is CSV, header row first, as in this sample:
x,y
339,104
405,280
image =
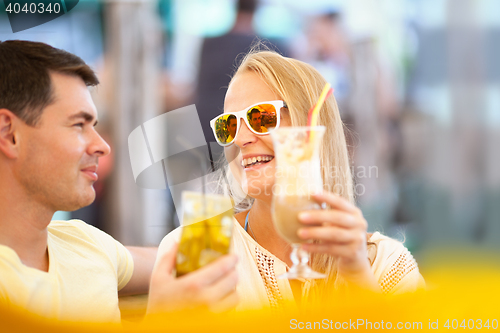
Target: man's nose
x,y
99,146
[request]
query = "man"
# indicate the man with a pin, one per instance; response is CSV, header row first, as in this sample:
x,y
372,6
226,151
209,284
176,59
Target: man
x,y
231,122
217,63
256,121
219,57
49,152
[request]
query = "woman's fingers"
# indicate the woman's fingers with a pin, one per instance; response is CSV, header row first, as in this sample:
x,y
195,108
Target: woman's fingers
x,y
339,232
334,217
328,234
336,201
222,288
337,250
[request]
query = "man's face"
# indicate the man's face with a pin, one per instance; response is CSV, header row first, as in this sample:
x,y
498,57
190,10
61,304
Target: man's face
x,y
232,127
58,157
256,120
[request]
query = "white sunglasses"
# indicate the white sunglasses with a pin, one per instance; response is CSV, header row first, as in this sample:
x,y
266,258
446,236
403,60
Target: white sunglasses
x,y
261,118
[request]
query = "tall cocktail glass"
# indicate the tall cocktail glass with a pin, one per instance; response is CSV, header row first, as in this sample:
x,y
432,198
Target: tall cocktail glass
x,y
297,178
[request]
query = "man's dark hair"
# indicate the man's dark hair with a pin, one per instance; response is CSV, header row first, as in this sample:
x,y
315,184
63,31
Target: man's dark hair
x,y
332,16
25,83
247,6
254,110
228,120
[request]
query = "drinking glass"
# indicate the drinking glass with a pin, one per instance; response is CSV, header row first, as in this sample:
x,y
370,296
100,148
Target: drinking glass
x,y
207,224
298,177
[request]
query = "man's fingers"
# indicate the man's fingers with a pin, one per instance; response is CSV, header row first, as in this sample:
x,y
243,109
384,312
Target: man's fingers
x,y
223,287
227,303
166,263
212,272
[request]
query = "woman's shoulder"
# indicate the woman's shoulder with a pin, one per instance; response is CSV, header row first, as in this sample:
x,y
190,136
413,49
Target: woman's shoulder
x,y
393,265
384,242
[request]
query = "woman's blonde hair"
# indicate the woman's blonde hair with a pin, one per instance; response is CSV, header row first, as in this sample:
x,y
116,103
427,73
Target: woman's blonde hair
x,y
300,85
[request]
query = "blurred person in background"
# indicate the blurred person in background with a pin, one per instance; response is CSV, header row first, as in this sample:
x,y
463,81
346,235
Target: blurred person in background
x,y
218,59
327,48
365,89
49,153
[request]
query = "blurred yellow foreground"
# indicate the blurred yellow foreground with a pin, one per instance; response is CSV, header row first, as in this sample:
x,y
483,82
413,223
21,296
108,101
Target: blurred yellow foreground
x,y
462,295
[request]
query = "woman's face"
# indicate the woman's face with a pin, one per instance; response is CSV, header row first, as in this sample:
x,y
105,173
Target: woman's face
x,y
257,180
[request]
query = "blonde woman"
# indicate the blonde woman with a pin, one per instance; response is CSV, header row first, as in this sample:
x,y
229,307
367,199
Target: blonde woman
x,y
342,248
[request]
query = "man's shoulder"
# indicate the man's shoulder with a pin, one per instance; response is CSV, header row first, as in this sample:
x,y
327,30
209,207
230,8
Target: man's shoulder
x,y
76,229
69,226
56,224
84,238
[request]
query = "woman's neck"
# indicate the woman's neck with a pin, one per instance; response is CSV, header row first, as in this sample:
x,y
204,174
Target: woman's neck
x,y
261,228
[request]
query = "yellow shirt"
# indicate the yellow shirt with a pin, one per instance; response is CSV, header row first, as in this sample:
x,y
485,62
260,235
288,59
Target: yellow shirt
x,y
87,267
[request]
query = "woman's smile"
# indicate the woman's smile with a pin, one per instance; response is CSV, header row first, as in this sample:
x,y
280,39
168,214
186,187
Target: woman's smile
x,y
255,161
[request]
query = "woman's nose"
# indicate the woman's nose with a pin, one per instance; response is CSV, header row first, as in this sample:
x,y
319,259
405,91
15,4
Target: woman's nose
x,y
244,136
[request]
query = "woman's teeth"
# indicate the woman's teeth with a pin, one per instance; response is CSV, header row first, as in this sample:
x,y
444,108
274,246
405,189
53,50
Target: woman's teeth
x,y
256,160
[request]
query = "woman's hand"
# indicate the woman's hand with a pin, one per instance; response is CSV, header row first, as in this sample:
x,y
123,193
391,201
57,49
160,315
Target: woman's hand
x,y
341,232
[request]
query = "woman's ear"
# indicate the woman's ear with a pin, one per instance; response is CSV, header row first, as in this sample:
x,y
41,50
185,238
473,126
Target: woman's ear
x,y
8,143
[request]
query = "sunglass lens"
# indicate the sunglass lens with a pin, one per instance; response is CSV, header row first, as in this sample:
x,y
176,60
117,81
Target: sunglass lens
x,y
262,118
225,128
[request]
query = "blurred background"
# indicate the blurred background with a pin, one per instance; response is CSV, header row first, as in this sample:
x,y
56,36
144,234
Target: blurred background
x,y
417,81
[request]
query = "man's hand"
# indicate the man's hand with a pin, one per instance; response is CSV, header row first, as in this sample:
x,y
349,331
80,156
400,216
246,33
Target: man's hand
x,y
212,287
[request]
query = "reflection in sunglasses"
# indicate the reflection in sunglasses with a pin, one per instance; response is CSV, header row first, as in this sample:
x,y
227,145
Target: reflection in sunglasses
x,y
260,118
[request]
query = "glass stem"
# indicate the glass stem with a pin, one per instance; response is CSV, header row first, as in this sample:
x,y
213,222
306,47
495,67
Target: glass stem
x,y
300,259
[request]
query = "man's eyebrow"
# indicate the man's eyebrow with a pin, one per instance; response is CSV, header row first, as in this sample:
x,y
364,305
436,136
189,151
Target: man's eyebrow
x,y
85,115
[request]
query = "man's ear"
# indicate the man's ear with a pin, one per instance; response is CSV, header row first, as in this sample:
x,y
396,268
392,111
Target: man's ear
x,y
8,143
